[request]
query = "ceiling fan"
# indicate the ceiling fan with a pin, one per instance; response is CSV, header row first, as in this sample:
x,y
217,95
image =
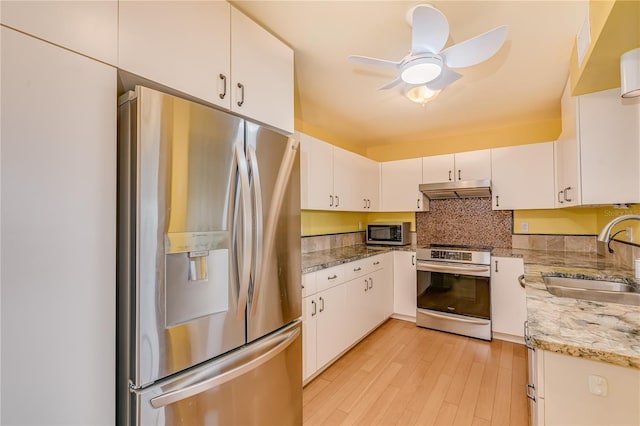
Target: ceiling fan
x,y
427,64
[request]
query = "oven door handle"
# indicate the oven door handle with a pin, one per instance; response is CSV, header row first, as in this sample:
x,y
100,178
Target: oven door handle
x,y
459,319
453,269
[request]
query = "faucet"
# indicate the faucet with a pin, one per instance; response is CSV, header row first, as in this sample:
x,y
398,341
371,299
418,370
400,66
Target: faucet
x,y
605,234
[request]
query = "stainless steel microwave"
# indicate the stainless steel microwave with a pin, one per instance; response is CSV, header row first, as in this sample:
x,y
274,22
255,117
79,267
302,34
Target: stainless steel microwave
x,y
394,234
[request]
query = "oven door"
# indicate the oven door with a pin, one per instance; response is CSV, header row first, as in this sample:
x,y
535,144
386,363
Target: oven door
x,y
455,298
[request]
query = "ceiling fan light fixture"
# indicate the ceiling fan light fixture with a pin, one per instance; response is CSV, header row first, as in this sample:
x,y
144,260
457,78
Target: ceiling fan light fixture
x,y
421,71
421,94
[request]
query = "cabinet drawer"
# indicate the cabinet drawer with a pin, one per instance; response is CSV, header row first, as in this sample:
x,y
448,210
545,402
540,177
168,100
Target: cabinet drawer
x,y
309,284
330,277
380,261
357,268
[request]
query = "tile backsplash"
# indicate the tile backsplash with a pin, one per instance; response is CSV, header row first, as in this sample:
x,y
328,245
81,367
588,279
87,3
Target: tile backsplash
x,y
466,221
326,242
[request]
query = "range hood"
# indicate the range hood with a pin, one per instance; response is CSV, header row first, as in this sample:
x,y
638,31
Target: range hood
x,y
459,189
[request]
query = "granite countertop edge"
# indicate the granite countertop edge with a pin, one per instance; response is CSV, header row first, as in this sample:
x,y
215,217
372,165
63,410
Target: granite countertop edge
x,y
323,259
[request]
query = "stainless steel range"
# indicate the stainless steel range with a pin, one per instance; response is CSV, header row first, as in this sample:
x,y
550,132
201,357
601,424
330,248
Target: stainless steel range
x,y
454,290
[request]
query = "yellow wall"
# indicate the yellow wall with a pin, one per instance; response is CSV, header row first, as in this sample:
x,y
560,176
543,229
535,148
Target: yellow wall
x,y
615,29
571,221
316,222
520,134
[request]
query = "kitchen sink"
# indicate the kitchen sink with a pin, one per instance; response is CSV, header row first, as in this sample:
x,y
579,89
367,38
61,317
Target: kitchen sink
x,y
595,290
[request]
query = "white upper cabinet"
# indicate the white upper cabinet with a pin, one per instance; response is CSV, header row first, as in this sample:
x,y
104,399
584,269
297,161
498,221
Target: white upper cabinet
x,y
184,45
597,153
316,174
438,168
522,177
87,27
332,178
261,74
400,180
567,151
346,175
471,165
211,51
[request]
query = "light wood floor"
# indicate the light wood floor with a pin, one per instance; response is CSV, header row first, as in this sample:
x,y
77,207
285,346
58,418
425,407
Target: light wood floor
x,y
405,375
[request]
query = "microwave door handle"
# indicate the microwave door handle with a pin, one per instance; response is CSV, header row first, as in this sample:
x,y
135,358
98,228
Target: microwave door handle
x,y
279,190
452,269
171,397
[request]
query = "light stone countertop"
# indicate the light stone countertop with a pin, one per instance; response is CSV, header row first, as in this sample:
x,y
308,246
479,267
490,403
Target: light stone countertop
x,y
600,331
317,260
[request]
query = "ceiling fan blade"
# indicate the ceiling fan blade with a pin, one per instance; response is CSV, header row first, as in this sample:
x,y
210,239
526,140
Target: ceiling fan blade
x,y
373,61
475,50
391,84
446,78
430,29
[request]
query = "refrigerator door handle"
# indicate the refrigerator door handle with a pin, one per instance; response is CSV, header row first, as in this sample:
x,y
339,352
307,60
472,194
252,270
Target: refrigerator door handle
x,y
280,186
259,221
282,342
245,262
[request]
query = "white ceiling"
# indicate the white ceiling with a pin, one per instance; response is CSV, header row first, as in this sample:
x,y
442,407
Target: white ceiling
x,y
522,83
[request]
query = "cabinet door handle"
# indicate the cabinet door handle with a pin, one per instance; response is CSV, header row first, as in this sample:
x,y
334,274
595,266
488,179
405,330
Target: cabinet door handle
x,y
459,178
358,269
337,201
449,175
332,277
413,260
322,304
521,281
377,262
313,302
368,203
224,86
497,201
241,87
418,203
370,283
531,392
330,200
366,285
496,266
566,190
560,199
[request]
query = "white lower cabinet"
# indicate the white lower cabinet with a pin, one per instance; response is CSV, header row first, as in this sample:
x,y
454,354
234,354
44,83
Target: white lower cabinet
x,y
309,335
332,335
337,317
508,299
405,291
578,391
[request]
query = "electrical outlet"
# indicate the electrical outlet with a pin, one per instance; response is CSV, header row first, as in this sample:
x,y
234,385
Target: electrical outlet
x,y
629,233
359,226
524,226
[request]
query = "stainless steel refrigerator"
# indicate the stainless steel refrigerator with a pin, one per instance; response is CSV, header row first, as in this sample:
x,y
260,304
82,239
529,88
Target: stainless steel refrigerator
x,y
209,267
